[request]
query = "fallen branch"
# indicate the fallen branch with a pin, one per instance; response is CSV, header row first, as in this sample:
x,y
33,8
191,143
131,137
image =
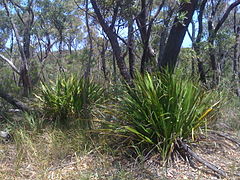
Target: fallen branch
x,y
16,103
199,159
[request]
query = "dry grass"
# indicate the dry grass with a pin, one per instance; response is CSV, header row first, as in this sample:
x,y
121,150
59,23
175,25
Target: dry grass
x,y
51,153
56,154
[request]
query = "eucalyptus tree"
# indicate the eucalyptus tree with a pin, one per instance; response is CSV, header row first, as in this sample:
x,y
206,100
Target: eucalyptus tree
x,y
57,28
56,23
145,21
144,15
197,38
236,57
122,15
25,15
44,30
215,32
109,29
58,17
177,34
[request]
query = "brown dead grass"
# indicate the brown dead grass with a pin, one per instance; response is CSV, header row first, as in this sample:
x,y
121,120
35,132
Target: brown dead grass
x,y
54,154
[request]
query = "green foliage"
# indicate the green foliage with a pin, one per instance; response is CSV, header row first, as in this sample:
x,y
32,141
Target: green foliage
x,y
33,122
4,29
70,98
8,81
163,108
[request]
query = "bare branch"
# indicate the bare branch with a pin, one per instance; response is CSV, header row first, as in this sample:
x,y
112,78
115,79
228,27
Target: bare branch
x,y
16,4
200,23
115,13
10,63
154,17
16,33
83,9
190,36
222,20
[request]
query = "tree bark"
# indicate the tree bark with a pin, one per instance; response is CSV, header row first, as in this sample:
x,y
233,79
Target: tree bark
x,y
196,47
131,55
145,29
164,34
24,74
114,69
113,38
214,64
236,73
88,68
104,46
176,36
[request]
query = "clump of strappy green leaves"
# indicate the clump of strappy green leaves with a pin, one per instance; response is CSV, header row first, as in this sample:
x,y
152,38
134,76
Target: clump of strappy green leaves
x,y
70,99
162,108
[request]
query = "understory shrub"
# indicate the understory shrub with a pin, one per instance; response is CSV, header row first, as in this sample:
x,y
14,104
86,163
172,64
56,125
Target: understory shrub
x,y
70,99
163,108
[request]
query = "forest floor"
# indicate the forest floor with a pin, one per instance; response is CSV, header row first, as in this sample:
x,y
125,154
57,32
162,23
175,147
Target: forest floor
x,y
52,155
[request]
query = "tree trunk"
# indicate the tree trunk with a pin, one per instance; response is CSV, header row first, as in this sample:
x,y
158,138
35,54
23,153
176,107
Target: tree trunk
x,y
142,26
212,36
214,65
176,36
236,73
198,40
90,52
113,38
24,76
145,28
164,35
103,58
114,70
131,55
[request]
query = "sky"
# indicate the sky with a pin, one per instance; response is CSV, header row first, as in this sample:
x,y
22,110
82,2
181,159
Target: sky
x,y
187,41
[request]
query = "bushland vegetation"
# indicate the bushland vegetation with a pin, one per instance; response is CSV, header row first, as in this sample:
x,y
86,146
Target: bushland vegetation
x,y
119,89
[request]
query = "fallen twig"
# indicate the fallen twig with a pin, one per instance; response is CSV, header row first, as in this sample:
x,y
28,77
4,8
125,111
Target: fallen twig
x,y
201,160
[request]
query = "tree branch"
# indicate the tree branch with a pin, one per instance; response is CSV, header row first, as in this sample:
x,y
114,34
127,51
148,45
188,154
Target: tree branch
x,y
200,23
10,63
222,20
154,17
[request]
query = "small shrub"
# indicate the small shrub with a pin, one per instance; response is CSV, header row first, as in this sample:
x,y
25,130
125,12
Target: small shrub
x,y
162,108
70,98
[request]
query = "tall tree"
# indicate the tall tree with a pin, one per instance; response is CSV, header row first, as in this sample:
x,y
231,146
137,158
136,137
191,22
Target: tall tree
x,y
90,41
145,28
212,36
176,36
27,19
236,57
113,38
